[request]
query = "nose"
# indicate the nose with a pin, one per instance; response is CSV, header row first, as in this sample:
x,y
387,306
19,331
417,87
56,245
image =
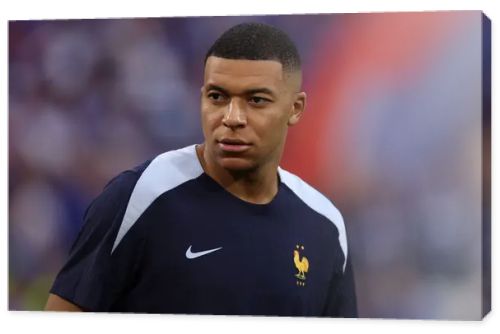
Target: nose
x,y
234,116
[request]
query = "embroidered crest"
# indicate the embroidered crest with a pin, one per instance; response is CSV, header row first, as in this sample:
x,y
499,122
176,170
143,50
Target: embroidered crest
x,y
302,265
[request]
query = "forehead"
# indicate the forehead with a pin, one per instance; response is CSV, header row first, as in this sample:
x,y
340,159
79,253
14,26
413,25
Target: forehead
x,y
243,73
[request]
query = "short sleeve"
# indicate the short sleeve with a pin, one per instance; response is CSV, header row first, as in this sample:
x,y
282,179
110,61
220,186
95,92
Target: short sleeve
x,y
341,300
93,277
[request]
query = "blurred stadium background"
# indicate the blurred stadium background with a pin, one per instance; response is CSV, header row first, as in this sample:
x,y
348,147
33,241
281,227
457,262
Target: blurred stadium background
x,y
392,134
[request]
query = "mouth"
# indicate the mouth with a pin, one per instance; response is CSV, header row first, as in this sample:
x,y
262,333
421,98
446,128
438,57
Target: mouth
x,y
233,145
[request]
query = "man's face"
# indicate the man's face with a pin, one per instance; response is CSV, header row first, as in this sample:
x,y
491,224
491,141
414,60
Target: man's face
x,y
246,108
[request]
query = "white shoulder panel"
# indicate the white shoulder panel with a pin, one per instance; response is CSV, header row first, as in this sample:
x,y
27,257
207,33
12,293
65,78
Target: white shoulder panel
x,y
165,172
318,202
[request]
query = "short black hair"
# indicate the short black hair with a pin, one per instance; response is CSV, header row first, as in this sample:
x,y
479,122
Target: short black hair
x,y
256,41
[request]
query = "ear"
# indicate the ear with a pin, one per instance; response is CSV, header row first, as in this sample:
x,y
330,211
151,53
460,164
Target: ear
x,y
298,107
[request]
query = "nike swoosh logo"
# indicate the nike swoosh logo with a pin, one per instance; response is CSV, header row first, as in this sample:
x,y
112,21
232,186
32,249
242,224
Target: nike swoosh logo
x,y
194,255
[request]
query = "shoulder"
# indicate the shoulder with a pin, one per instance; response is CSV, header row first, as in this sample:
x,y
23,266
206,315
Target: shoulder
x,y
169,170
120,186
310,196
165,172
317,202
116,192
105,209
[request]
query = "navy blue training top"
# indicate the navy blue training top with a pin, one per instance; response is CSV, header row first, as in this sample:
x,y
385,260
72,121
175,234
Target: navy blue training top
x,y
166,238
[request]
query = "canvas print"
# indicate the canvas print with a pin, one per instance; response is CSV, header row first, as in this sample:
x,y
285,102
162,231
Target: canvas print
x,y
327,165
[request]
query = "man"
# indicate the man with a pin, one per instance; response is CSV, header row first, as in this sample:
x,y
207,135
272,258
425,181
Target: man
x,y
218,228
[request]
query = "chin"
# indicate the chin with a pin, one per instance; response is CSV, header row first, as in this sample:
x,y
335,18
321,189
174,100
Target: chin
x,y
236,164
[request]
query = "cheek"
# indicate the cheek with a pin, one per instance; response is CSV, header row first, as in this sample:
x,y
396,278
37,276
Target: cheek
x,y
210,118
272,126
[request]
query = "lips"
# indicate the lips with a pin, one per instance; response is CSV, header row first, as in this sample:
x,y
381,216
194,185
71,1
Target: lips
x,y
233,145
230,141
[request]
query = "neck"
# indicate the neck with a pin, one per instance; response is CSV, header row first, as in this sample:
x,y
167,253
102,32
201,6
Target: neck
x,y
258,186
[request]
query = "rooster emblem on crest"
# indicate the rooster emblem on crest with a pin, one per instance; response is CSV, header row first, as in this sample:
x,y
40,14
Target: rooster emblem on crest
x,y
302,265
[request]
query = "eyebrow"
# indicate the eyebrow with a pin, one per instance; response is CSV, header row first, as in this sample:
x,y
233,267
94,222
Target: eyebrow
x,y
246,92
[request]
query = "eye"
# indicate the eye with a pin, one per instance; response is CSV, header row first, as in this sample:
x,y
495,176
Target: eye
x,y
216,97
259,101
